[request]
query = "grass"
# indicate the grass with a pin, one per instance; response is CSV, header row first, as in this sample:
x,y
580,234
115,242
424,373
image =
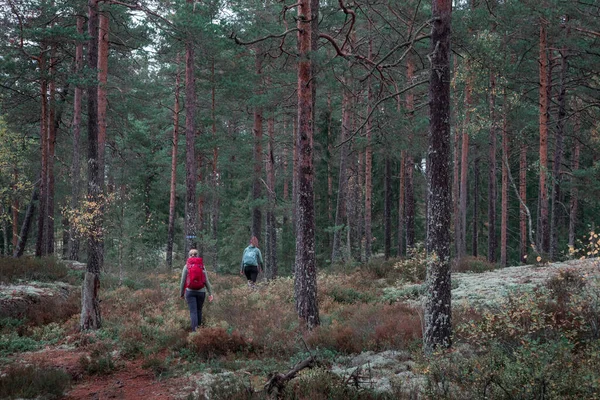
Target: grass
x,y
511,350
19,382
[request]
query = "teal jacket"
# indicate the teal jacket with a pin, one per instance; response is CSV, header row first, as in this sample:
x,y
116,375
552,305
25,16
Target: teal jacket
x,y
207,287
258,253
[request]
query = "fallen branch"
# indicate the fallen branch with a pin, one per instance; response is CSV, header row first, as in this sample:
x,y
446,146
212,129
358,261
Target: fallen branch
x,y
277,381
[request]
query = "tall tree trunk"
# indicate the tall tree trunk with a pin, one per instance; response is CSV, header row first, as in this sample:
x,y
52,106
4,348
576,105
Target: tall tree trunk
x,y
271,221
15,211
102,93
40,248
305,263
258,156
190,153
409,201
26,225
401,203
504,218
475,236
340,252
456,168
558,156
173,188
543,196
90,304
387,208
492,185
523,195
574,192
74,238
438,322
52,128
329,170
369,173
464,165
215,174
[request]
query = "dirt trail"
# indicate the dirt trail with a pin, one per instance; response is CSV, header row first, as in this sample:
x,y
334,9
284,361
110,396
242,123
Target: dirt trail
x,y
130,381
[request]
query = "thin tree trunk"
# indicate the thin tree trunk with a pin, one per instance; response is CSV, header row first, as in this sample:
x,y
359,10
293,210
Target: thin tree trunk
x,y
410,205
558,156
456,169
369,173
492,184
90,304
574,191
401,203
258,156
523,196
102,106
74,238
26,225
543,110
338,253
475,238
190,153
173,189
52,127
305,263
438,321
271,221
329,170
387,208
15,211
40,248
464,164
215,174
504,218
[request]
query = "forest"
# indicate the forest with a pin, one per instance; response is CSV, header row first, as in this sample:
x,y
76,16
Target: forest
x,y
375,148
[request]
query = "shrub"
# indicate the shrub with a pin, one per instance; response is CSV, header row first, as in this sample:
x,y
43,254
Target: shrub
x,y
473,264
13,343
363,327
215,342
31,382
46,269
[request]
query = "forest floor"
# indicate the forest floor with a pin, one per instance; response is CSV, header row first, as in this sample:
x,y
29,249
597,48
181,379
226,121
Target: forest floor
x,y
130,379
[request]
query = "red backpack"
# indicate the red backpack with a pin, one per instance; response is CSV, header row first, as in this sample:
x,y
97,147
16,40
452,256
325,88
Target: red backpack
x,y
195,274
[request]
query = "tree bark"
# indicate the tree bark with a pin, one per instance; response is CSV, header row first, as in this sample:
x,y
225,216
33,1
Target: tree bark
x,y
543,111
90,305
173,188
258,156
190,152
102,93
74,239
492,184
305,264
438,324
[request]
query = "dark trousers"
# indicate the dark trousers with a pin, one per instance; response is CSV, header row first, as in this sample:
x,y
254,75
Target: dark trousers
x,y
251,272
195,302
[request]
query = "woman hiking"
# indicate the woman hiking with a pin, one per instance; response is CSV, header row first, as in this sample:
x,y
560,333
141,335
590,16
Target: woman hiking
x,y
252,262
194,285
